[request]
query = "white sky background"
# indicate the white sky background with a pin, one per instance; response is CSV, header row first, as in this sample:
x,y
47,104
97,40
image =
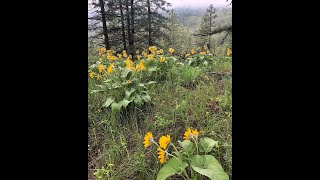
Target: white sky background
x,y
198,3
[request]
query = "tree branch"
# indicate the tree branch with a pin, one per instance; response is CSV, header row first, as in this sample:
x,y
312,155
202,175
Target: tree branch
x,y
216,31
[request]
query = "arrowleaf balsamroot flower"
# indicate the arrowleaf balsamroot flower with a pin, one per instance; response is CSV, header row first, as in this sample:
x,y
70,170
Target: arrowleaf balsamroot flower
x,y
100,67
124,52
110,68
160,51
195,133
162,59
91,74
228,52
161,156
144,54
164,141
140,66
171,50
150,56
190,133
153,49
129,64
187,134
147,139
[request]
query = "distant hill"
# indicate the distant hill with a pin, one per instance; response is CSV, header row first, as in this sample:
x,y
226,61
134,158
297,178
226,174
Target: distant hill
x,y
191,17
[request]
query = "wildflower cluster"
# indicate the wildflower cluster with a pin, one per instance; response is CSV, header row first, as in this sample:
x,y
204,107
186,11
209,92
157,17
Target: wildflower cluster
x,y
189,160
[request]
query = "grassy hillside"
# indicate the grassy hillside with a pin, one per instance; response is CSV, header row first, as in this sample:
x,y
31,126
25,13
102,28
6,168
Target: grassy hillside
x,y
189,92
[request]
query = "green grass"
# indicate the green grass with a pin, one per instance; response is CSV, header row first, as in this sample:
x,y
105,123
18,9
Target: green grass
x,y
179,102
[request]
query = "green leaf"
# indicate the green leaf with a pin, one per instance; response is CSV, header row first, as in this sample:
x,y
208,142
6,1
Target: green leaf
x,y
126,74
116,107
92,66
146,98
124,103
150,82
208,165
128,92
172,58
187,146
172,167
207,144
151,69
116,85
108,102
95,91
141,85
205,63
107,81
138,100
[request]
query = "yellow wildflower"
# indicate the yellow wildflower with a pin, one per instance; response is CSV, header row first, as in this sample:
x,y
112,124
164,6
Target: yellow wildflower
x,y
187,55
144,54
147,139
140,66
119,55
202,53
110,52
162,59
100,67
160,51
207,114
150,56
171,50
129,64
195,133
114,58
192,51
100,59
161,156
124,52
101,51
110,68
153,49
91,74
187,134
98,76
137,51
228,52
164,141
138,57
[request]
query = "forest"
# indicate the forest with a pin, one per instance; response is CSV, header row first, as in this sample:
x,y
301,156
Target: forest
x,y
159,90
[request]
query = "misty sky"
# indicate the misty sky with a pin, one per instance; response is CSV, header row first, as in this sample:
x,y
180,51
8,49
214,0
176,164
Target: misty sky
x,y
198,3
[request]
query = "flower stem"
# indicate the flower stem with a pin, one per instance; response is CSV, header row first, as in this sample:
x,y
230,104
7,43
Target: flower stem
x,y
196,144
155,143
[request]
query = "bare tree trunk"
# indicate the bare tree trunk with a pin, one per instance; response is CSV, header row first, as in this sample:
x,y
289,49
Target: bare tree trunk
x,y
149,23
172,28
131,41
210,28
128,26
104,24
122,27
